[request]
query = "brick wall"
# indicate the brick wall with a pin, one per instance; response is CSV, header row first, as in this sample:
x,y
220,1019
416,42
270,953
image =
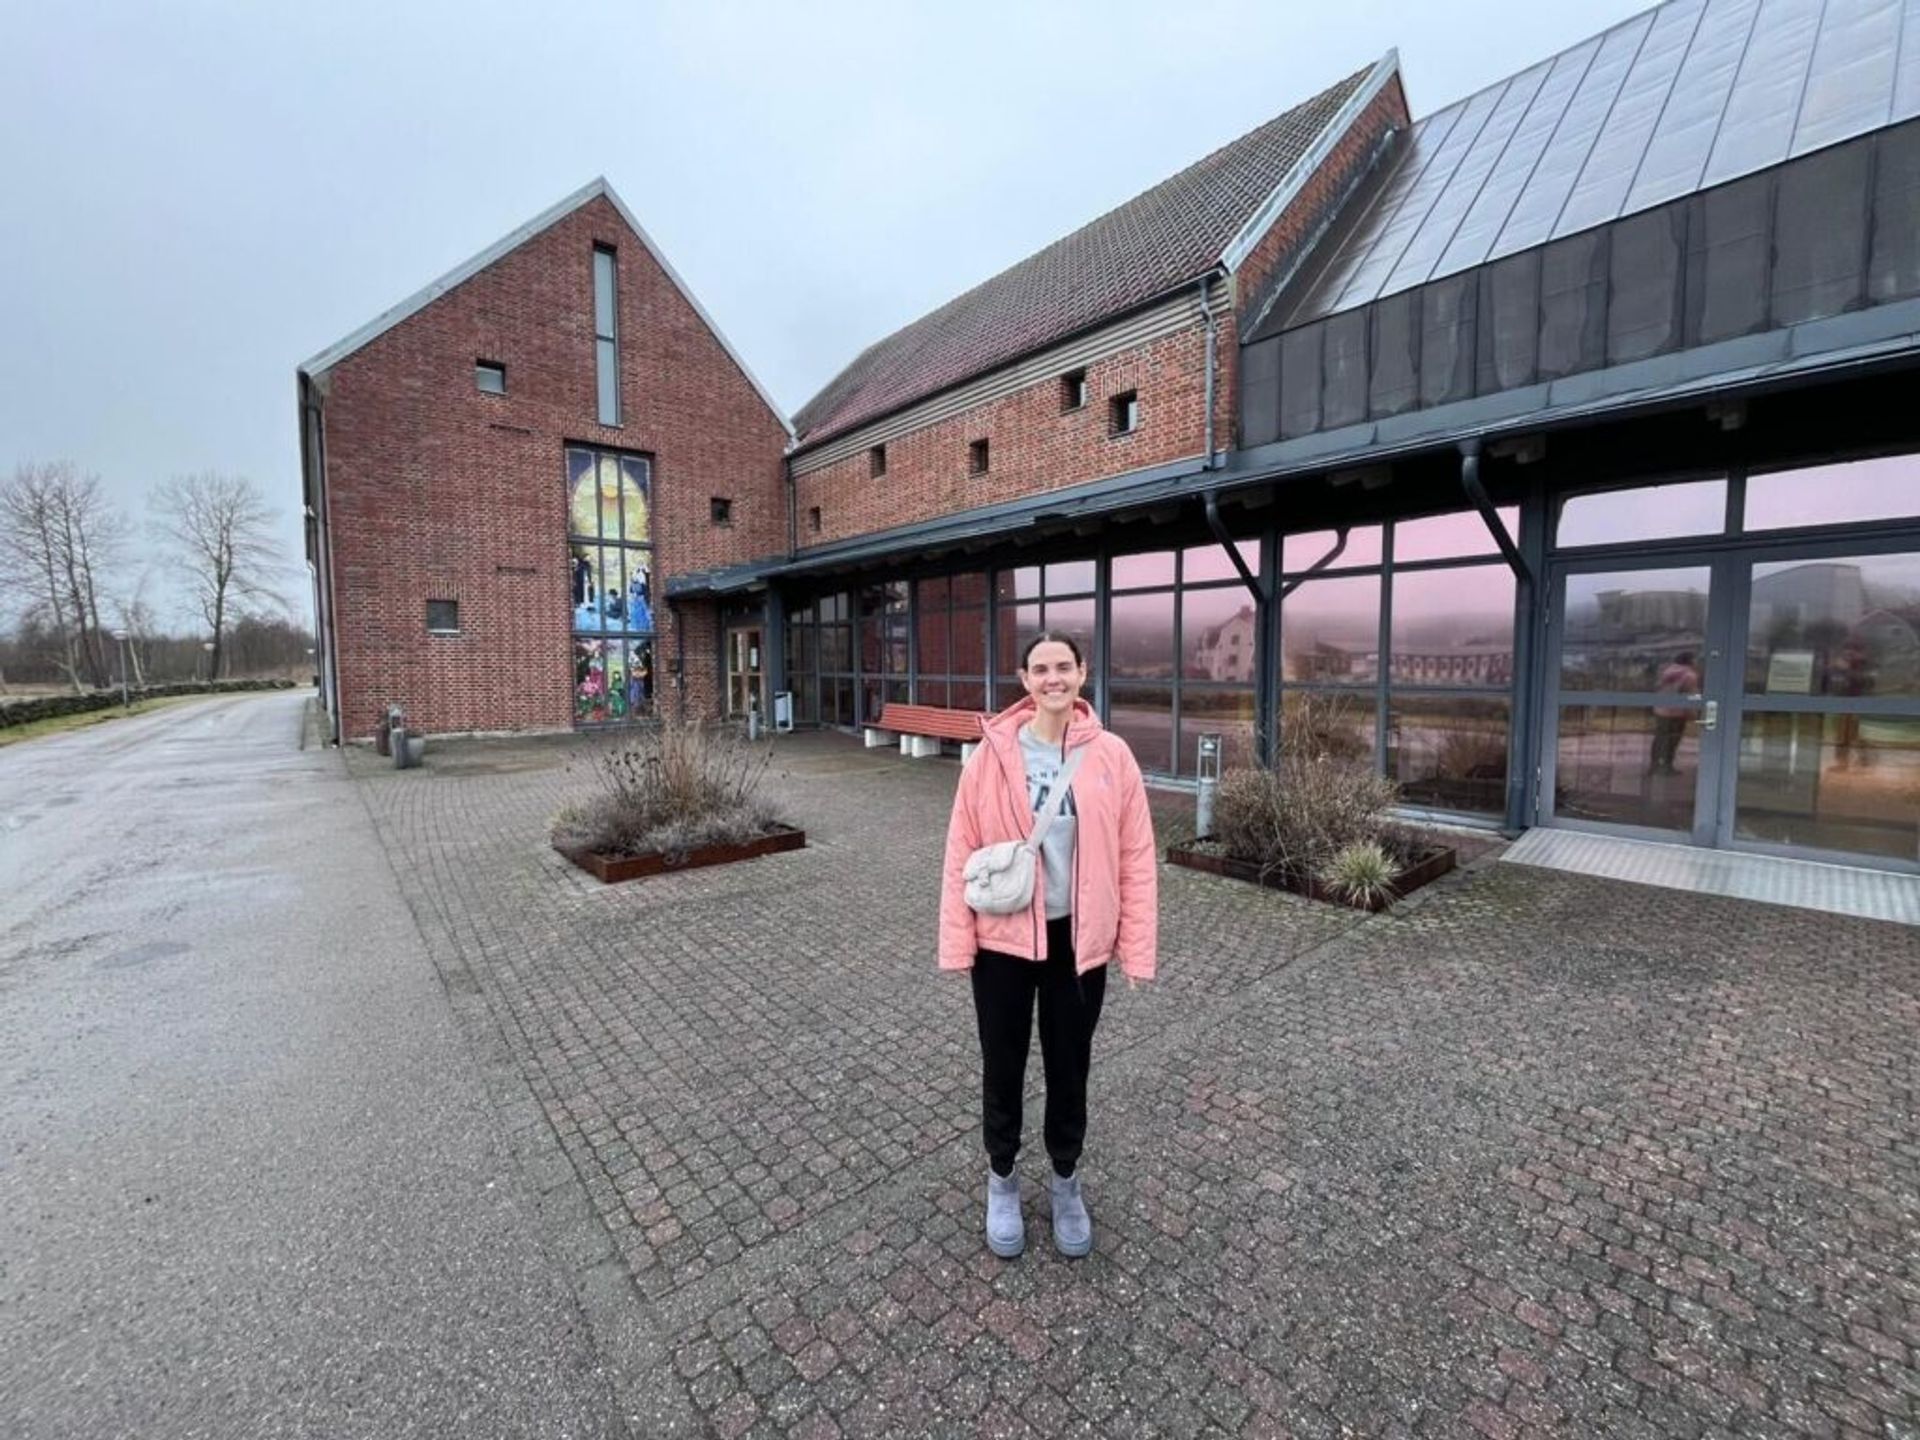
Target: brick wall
x,y
437,490
1033,446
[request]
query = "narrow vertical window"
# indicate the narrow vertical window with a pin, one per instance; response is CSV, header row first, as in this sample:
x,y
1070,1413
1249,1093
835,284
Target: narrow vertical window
x,y
606,337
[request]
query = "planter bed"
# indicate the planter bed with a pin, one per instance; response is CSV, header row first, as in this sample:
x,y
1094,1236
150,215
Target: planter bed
x,y
1199,855
612,869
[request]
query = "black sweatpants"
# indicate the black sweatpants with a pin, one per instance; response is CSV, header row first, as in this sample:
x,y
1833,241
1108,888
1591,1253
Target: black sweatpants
x,y
1004,989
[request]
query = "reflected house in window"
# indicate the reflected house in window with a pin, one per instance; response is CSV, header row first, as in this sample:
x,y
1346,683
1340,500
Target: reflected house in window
x,y
1227,651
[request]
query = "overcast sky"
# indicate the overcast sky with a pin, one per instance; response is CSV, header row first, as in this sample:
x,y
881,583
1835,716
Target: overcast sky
x,y
198,197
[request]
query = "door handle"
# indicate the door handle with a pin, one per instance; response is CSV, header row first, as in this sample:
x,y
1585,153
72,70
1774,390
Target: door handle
x,y
1711,716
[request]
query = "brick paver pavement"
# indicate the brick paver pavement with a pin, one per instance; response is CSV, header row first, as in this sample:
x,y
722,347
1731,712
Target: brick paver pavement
x,y
1532,1154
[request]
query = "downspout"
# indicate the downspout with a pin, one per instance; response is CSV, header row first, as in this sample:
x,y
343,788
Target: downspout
x,y
1213,340
679,655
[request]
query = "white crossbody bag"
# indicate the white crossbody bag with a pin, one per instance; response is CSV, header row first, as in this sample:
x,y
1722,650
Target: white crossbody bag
x,y
1000,877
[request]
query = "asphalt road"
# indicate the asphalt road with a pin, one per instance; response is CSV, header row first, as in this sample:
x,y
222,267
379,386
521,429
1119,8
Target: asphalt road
x,y
250,1181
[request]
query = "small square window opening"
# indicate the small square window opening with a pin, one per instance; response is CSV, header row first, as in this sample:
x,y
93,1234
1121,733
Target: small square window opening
x,y
1123,413
877,461
443,617
489,377
1073,390
977,457
721,509
813,519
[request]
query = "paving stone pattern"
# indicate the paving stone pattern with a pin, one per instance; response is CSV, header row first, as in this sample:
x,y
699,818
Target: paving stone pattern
x,y
1533,1154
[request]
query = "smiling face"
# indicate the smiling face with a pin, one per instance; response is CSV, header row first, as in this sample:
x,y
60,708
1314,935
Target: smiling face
x,y
1053,676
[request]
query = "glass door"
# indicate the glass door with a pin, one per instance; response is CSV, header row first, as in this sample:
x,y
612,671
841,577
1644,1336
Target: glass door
x,y
743,673
1636,712
1824,745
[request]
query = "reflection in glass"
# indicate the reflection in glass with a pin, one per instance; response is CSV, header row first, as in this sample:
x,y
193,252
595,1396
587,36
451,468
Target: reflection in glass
x,y
932,630
1848,627
1635,630
1330,630
1836,494
1618,764
1211,562
968,695
1328,725
1303,551
969,642
1453,627
1021,584
1142,644
1445,537
1651,512
1075,618
1226,713
1142,715
934,594
1218,634
836,648
1831,782
1014,626
970,589
1070,577
1136,572
1449,753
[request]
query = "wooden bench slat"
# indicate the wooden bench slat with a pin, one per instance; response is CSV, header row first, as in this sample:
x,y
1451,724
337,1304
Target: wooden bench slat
x,y
931,720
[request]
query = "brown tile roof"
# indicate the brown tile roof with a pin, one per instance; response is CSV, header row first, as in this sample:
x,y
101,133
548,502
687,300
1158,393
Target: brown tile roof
x,y
1145,248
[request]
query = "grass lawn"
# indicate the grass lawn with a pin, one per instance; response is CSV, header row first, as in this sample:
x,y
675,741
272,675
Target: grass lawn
x,y
56,724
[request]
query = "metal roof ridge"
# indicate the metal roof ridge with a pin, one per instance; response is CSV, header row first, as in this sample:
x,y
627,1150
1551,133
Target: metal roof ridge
x,y
1283,194
594,189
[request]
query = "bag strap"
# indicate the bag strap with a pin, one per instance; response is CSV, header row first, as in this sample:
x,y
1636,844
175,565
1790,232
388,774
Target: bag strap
x,y
1043,822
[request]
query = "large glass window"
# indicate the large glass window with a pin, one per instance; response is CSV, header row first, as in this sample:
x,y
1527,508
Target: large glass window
x,y
1850,494
1830,781
950,664
1030,598
610,542
1647,512
1425,693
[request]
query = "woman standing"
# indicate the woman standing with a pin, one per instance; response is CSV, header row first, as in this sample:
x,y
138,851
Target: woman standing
x,y
1097,899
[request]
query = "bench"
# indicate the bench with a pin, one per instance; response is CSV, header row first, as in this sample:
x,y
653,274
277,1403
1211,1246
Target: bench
x,y
921,728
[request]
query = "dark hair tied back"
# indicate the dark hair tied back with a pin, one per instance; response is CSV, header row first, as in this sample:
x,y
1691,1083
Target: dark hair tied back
x,y
1059,637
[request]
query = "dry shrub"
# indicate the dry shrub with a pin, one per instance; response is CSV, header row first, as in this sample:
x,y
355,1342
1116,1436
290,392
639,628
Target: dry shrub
x,y
1362,874
670,789
1313,803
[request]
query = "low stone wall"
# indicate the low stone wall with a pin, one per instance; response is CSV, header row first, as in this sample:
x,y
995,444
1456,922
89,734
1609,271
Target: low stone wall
x,y
44,707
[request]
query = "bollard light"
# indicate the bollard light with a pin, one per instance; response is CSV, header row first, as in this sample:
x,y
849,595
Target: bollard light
x,y
1206,769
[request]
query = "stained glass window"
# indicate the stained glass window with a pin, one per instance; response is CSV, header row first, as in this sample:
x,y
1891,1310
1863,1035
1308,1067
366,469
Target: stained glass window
x,y
610,547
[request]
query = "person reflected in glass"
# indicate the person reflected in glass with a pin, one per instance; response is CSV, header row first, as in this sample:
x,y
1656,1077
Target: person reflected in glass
x,y
1851,677
1677,677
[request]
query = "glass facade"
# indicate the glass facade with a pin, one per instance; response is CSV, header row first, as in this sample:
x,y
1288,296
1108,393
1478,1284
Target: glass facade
x,y
610,550
1733,659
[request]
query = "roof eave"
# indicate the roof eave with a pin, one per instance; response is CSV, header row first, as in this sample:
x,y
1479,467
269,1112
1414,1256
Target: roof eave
x,y
1303,170
596,188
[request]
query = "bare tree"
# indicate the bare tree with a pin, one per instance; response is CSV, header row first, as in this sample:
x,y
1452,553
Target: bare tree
x,y
59,536
218,528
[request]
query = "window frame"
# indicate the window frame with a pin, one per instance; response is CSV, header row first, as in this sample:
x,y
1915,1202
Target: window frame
x,y
482,369
606,345
1127,403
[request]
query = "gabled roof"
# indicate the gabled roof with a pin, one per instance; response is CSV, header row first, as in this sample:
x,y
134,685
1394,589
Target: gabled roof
x,y
467,269
1180,230
1677,99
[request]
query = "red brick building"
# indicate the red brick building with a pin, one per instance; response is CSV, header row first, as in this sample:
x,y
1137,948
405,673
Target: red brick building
x,y
500,470
1553,451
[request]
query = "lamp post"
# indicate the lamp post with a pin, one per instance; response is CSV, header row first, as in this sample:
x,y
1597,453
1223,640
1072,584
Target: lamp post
x,y
207,645
1207,770
120,639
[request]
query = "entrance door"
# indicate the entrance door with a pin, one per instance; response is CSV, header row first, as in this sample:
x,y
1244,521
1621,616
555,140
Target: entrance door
x,y
1637,698
744,680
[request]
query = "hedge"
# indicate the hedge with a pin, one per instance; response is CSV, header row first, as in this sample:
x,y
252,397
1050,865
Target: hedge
x,y
24,709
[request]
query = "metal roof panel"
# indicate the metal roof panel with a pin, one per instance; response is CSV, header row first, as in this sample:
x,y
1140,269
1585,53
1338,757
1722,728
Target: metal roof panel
x,y
1683,97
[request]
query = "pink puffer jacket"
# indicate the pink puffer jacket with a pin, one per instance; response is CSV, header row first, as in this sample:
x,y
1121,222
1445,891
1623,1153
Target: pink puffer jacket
x,y
1116,883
